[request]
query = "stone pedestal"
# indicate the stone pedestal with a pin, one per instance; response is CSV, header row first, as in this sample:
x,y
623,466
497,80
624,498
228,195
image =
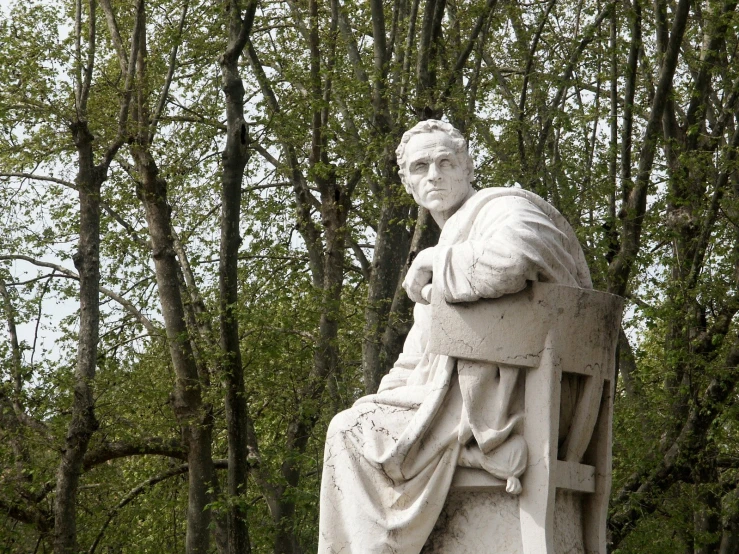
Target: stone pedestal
x,y
487,522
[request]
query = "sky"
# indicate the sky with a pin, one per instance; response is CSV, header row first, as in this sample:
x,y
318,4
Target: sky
x,y
53,311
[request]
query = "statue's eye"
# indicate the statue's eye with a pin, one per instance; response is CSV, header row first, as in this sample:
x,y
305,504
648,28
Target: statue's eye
x,y
445,163
419,166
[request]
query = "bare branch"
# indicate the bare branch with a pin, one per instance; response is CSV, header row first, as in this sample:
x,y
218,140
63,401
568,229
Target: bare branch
x,y
298,20
500,80
636,205
531,56
352,48
141,318
587,37
405,77
708,56
202,318
361,258
127,87
39,313
123,223
141,489
379,83
115,35
266,155
78,56
16,358
712,212
150,446
91,38
110,211
170,74
465,54
41,178
629,93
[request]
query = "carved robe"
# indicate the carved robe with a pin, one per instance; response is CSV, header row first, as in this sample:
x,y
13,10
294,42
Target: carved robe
x,y
389,460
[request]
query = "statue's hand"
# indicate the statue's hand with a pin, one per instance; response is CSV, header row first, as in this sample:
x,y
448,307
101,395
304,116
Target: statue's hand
x,y
419,275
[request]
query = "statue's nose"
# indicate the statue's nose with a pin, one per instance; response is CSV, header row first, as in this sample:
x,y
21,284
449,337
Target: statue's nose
x,y
433,174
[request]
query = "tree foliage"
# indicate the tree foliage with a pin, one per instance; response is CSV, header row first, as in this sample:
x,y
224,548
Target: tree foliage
x,y
228,169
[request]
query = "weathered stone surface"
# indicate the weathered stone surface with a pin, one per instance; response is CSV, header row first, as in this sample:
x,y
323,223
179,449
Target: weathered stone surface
x,y
488,522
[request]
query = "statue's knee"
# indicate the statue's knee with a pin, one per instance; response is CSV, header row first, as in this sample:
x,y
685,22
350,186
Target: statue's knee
x,y
518,443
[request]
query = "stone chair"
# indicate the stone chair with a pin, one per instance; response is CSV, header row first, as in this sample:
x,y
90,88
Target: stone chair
x,y
545,330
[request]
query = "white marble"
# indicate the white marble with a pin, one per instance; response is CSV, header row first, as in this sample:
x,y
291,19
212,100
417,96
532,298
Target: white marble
x,y
487,522
563,339
468,391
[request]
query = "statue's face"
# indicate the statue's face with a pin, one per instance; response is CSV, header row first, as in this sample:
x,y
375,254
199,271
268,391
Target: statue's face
x,y
436,174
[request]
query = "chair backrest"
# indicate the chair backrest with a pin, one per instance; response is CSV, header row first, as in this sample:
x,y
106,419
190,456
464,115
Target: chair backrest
x,y
549,330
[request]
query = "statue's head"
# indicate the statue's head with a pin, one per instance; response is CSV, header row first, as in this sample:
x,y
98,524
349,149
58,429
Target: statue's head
x,y
435,166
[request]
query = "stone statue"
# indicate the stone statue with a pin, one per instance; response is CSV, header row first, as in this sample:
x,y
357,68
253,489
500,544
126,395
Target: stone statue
x,y
391,458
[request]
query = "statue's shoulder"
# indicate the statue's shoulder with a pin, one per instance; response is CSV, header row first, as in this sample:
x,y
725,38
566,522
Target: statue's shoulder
x,y
492,193
495,199
511,197
487,207
491,199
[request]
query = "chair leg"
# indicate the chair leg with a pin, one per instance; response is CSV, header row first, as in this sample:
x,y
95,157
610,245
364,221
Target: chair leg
x,y
541,427
595,506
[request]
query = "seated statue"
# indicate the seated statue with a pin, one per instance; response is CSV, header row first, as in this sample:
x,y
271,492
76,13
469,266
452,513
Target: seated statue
x,y
390,459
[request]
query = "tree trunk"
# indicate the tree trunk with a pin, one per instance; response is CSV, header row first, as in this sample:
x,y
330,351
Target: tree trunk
x,y
730,523
706,520
192,415
400,317
187,397
235,158
84,422
391,248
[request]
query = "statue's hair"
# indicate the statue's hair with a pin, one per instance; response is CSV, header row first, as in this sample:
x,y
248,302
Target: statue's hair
x,y
429,126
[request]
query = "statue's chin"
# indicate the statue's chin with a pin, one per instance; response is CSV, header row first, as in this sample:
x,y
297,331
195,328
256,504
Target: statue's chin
x,y
446,204
443,207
